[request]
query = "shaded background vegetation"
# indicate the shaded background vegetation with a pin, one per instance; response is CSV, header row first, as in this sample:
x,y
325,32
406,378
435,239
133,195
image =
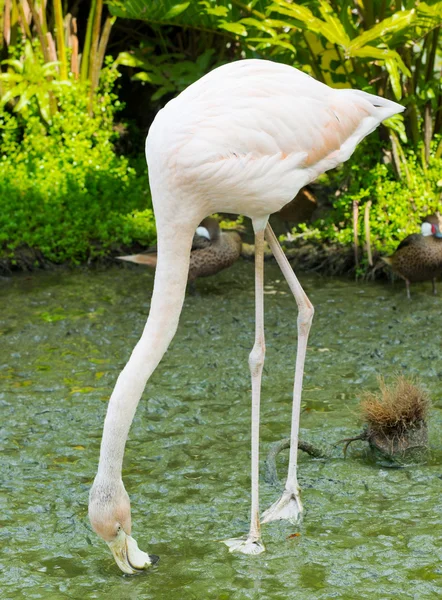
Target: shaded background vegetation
x,y
81,81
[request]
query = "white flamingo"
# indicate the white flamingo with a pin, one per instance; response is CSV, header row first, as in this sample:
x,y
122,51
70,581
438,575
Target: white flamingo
x,y
243,139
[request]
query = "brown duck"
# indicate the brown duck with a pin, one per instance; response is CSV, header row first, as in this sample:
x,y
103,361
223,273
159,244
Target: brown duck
x,y
212,251
419,256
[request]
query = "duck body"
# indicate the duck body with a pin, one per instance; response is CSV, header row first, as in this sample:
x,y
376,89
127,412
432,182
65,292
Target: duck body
x,y
419,256
212,251
215,257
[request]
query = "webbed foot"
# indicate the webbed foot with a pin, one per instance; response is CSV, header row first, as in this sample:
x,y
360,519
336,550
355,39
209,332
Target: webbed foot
x,y
249,545
288,507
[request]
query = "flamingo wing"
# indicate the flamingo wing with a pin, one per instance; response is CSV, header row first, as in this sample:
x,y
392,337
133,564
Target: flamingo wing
x,y
257,130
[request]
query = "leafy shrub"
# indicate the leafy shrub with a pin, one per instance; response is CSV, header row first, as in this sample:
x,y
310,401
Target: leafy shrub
x,y
398,205
63,190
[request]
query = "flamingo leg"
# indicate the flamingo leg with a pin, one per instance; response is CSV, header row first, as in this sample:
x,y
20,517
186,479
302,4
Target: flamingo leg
x,y
289,506
252,544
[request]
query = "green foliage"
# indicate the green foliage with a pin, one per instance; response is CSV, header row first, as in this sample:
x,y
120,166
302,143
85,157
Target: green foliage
x,y
397,206
64,192
388,48
140,225
169,72
29,78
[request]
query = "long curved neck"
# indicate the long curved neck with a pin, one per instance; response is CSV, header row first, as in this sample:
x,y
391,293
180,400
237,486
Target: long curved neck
x,y
174,246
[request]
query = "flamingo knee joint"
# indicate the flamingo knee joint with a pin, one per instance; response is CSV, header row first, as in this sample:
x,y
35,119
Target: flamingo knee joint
x,y
257,356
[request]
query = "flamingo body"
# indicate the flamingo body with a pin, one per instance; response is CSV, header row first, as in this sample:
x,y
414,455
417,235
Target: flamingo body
x,y
243,139
246,137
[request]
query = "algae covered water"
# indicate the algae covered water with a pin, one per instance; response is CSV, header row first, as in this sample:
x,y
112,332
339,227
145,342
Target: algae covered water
x,y
368,532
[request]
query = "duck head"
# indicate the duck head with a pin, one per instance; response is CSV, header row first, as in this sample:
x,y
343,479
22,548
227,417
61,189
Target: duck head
x,y
431,225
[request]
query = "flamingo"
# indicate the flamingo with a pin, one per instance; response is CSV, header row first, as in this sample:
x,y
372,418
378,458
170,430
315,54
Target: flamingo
x,y
243,139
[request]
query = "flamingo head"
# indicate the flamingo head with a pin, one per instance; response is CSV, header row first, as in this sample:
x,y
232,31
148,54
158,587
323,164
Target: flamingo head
x,y
109,514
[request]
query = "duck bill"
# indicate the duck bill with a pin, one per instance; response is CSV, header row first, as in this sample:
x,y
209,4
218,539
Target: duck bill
x,y
128,556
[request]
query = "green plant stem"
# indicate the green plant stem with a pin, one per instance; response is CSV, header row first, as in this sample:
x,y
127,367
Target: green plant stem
x,y
15,22
402,159
7,22
74,46
85,58
98,63
252,11
313,61
342,59
94,72
411,84
382,10
367,232
95,34
23,21
413,123
355,231
431,53
44,23
395,153
369,13
438,116
40,32
59,32
428,131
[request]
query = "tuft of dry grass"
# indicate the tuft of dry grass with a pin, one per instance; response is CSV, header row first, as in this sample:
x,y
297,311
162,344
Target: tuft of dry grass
x,y
396,407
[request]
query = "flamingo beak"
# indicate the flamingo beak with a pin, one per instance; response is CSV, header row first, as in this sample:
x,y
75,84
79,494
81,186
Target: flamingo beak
x,y
128,556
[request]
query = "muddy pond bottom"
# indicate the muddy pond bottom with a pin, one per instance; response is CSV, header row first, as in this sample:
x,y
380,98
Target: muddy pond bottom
x,y
368,531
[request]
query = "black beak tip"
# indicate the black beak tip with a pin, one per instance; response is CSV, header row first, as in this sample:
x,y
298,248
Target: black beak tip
x,y
154,558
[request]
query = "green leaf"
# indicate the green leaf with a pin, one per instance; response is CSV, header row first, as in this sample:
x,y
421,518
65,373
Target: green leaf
x,y
18,66
267,42
261,25
203,61
18,89
395,80
276,23
153,78
50,68
335,29
44,105
396,123
26,97
176,10
165,89
382,54
129,59
300,13
236,28
218,11
330,28
11,77
392,24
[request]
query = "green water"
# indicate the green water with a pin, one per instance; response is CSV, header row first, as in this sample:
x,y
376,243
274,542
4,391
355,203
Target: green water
x,y
368,532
